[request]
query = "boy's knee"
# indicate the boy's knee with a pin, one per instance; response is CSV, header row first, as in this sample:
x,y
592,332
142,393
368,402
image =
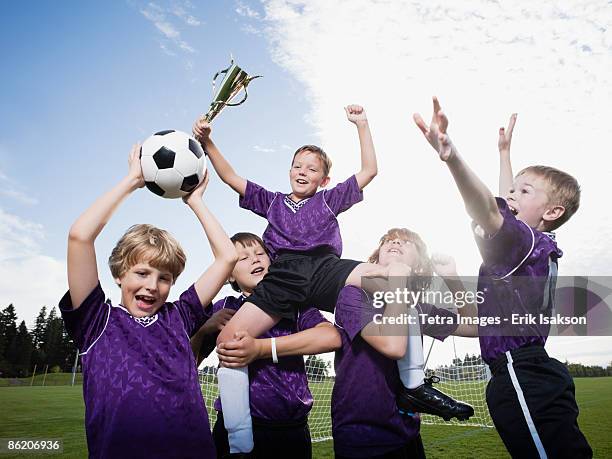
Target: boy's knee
x,y
225,335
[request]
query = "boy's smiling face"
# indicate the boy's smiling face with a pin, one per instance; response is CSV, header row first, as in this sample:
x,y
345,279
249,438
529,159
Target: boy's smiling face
x,y
529,202
252,265
144,289
398,250
306,174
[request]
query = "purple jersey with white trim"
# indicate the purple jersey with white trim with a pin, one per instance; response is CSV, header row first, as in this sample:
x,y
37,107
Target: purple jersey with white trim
x,y
308,225
513,278
365,418
278,391
140,383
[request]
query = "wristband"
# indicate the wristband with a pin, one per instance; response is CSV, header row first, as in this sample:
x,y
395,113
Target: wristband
x,y
273,345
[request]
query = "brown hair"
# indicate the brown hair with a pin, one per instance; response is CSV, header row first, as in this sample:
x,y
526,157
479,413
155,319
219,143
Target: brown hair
x,y
147,243
325,160
563,190
423,272
246,240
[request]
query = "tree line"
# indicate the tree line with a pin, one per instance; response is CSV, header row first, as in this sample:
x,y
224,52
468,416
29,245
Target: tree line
x,y
46,344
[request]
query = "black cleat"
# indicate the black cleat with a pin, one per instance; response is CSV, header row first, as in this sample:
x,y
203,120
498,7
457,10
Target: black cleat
x,y
428,399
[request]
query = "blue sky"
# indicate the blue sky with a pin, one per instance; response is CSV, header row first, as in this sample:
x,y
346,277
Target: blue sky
x,y
83,81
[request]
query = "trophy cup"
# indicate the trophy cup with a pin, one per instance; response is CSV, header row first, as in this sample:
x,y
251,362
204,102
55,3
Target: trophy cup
x,y
234,81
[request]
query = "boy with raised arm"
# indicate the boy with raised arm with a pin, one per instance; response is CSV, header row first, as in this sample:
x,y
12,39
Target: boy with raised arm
x,y
140,384
530,395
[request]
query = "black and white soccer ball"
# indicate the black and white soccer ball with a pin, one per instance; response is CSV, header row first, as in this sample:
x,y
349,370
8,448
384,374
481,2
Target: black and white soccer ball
x,y
173,163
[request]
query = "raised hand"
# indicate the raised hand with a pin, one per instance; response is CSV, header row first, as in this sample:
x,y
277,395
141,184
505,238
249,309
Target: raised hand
x,y
198,191
444,265
355,113
505,135
134,167
201,129
435,133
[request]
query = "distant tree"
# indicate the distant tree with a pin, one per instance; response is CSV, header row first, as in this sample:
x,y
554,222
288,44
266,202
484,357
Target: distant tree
x,y
53,344
21,351
38,334
317,368
8,331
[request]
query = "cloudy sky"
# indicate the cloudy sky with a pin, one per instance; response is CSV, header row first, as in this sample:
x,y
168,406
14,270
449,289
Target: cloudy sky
x,y
83,81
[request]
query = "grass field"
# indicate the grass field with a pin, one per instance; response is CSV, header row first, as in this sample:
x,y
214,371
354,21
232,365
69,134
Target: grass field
x,y
56,412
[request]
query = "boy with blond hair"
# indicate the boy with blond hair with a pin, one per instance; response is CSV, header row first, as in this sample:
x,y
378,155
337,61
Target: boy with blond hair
x,y
530,396
140,384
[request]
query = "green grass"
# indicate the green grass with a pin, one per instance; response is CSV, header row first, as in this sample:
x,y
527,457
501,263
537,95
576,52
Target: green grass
x,y
57,412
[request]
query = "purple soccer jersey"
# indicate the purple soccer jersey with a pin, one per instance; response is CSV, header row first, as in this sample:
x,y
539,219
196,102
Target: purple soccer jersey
x,y
365,417
514,278
278,391
140,383
308,225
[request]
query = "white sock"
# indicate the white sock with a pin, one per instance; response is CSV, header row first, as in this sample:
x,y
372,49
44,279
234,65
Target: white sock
x,y
234,393
412,366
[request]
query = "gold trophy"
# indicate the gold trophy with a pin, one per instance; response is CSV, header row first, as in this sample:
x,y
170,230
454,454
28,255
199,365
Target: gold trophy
x,y
234,81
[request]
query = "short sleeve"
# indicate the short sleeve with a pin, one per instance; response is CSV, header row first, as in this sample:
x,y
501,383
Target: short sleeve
x,y
506,249
256,199
86,323
343,196
440,329
353,311
309,318
191,310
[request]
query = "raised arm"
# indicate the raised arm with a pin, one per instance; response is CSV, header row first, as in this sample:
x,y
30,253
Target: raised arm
x,y
209,283
479,202
82,267
388,339
244,348
201,131
505,166
357,115
445,267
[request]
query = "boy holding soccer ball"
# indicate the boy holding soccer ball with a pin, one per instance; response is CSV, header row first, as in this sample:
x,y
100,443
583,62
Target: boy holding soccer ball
x,y
140,385
530,395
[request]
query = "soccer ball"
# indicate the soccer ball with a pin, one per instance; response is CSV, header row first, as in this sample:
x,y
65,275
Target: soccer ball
x,y
173,163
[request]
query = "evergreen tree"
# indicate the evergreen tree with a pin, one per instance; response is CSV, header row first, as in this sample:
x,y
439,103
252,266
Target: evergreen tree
x,y
21,351
53,342
38,334
8,331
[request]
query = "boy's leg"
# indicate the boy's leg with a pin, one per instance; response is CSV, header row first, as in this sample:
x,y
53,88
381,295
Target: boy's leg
x,y
418,393
281,442
533,407
234,382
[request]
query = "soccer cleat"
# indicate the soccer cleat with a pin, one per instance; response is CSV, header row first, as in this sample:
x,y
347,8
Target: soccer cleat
x,y
427,399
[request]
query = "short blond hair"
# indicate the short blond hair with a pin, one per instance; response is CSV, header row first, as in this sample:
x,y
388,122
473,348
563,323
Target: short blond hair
x,y
563,190
424,269
325,159
147,243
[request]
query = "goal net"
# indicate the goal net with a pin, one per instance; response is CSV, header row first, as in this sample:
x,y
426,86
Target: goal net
x,y
463,378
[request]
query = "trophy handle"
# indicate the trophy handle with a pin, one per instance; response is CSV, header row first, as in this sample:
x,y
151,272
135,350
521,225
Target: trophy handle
x,y
221,72
247,81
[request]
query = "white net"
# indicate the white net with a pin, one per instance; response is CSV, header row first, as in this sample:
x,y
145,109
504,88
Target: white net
x,y
462,378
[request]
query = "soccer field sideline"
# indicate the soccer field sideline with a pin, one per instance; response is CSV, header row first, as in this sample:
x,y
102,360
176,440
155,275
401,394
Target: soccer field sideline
x,y
57,412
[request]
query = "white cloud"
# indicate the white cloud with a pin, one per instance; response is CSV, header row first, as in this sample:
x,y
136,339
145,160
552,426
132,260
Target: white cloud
x,y
28,278
162,20
551,63
245,10
263,149
9,188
